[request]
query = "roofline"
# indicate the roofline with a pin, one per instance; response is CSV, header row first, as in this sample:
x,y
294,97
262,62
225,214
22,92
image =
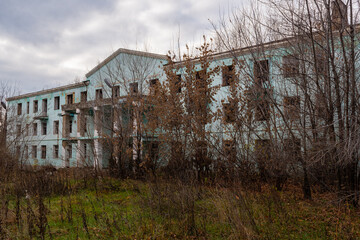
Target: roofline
x,y
267,45
127,51
50,90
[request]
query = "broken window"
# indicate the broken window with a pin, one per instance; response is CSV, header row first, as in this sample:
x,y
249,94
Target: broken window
x,y
292,107
43,128
262,155
57,103
56,151
19,108
27,129
83,96
228,75
261,73
34,129
262,108
292,148
26,151
43,151
98,94
35,106
18,130
152,150
70,126
320,63
56,127
229,111
153,86
178,83
201,150
134,88
290,66
229,150
320,106
44,105
69,151
116,91
70,98
34,151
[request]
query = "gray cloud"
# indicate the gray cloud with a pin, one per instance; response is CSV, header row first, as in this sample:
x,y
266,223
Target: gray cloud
x,y
49,43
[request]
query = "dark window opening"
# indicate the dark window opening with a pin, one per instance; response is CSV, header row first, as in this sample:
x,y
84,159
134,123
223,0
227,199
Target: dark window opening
x,y
292,148
292,107
56,151
43,128
34,151
70,98
28,107
116,91
56,103
98,94
34,129
43,151
320,106
56,127
261,73
134,88
83,97
290,66
44,105
178,83
35,106
228,75
70,126
18,130
153,86
262,110
229,111
19,109
229,150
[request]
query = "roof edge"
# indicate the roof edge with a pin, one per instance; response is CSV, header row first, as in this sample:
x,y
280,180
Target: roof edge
x,y
127,51
50,90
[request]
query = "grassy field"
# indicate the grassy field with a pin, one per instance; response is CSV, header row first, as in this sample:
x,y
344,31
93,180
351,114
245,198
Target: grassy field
x,y
113,209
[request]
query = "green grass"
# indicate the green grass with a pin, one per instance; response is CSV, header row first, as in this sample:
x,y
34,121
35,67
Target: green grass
x,y
138,210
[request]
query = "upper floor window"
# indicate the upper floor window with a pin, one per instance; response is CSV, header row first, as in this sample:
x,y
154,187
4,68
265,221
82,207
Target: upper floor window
x,y
229,111
228,75
36,106
34,151
57,103
134,88
56,127
18,130
261,72
153,85
83,96
290,66
34,129
28,107
292,107
98,94
116,91
56,151
44,105
19,108
70,98
43,151
43,128
229,148
178,83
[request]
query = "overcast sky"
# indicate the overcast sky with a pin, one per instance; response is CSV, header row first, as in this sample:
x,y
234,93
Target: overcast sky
x,y
48,43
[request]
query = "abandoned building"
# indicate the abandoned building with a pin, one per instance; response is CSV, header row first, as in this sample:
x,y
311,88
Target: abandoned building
x,y
66,126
